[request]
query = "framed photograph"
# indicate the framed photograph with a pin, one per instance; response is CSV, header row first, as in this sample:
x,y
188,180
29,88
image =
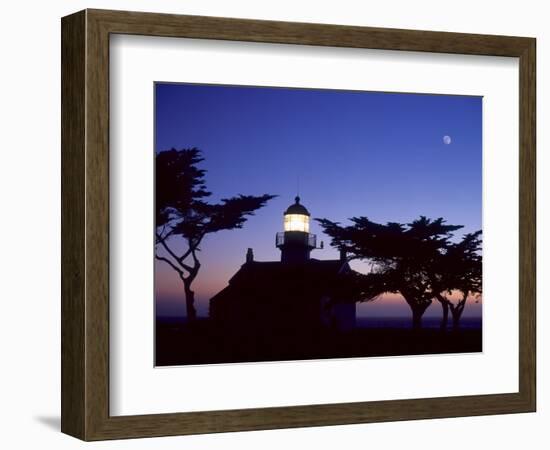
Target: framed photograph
x,y
272,224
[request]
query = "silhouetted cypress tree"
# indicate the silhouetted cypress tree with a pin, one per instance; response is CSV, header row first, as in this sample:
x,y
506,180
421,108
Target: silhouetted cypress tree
x,y
184,215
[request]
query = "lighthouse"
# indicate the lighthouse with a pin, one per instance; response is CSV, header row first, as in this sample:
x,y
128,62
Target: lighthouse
x,y
295,295
296,242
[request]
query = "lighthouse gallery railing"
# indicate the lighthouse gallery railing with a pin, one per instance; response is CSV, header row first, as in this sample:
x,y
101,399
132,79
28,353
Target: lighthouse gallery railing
x,y
295,237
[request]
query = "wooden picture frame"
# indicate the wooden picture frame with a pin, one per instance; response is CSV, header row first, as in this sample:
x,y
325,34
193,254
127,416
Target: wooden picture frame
x,y
85,224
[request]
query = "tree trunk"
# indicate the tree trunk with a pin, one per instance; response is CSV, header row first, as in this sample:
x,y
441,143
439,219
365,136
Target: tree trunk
x,y
445,318
417,318
456,322
418,307
445,306
190,303
457,312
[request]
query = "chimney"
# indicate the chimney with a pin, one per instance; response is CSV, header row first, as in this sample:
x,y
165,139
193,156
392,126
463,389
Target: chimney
x,y
249,256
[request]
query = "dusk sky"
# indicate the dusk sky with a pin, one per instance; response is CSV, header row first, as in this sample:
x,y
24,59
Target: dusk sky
x,y
380,155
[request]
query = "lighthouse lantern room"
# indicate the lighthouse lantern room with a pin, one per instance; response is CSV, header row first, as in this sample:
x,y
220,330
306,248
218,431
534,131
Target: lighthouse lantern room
x,y
296,242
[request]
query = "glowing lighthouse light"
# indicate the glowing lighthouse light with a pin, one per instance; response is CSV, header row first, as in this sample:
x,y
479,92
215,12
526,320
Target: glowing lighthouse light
x,y
297,218
297,222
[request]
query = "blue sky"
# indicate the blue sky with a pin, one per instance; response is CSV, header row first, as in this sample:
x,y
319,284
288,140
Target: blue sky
x,y
379,155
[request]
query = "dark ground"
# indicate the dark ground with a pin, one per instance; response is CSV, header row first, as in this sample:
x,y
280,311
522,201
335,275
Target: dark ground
x,y
203,343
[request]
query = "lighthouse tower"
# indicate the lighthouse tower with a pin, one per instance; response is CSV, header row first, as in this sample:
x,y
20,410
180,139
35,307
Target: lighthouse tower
x,y
296,242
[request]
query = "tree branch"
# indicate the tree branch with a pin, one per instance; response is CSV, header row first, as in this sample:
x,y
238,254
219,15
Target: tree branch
x,y
167,261
173,255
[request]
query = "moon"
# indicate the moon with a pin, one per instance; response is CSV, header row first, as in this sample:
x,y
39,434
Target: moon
x,y
447,140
